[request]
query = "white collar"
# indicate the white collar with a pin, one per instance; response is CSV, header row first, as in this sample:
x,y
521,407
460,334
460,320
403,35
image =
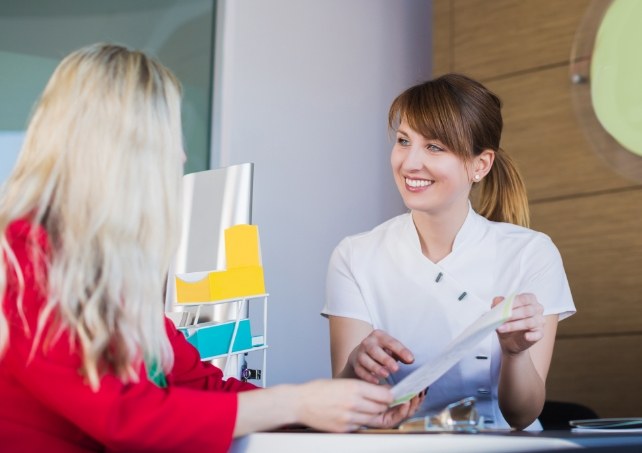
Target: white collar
x,y
471,231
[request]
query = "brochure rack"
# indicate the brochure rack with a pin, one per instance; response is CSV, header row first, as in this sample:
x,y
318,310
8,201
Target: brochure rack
x,y
240,283
225,339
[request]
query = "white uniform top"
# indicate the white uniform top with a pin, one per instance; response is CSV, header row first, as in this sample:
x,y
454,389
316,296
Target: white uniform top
x,y
381,277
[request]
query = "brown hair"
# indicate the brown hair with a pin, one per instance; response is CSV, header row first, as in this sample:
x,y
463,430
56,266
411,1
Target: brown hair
x,y
466,116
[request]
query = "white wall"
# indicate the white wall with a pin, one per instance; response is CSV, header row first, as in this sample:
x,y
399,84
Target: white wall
x,y
302,89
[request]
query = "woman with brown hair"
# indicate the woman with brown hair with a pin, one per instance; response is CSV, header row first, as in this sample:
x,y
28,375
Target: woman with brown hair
x,y
402,291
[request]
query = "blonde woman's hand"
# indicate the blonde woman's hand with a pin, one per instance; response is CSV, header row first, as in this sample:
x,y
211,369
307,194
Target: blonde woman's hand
x,y
376,356
334,405
525,327
341,405
395,415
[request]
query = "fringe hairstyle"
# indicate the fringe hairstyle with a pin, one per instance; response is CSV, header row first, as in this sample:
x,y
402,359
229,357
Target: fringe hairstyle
x,y
100,171
466,116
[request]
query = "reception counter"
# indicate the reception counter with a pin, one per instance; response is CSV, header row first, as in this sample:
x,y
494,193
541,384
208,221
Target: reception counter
x,y
375,442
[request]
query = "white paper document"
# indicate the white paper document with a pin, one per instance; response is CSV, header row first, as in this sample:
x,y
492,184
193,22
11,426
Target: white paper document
x,y
429,372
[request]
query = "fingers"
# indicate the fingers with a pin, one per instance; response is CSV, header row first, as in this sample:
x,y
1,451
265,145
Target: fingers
x,y
377,361
527,314
376,357
367,369
392,417
525,324
496,300
372,401
352,421
414,404
376,393
366,412
392,347
534,336
340,405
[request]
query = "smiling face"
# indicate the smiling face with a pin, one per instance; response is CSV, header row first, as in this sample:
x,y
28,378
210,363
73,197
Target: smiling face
x,y
430,177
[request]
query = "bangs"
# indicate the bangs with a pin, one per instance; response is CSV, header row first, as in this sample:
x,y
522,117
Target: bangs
x,y
433,110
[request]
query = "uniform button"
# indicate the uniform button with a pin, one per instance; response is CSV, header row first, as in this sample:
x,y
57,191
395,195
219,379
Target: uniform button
x,y
483,391
439,277
481,357
462,295
488,420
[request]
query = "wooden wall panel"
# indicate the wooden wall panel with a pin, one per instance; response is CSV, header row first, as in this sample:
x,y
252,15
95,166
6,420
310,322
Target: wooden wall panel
x,y
543,134
600,240
499,37
603,373
521,49
441,37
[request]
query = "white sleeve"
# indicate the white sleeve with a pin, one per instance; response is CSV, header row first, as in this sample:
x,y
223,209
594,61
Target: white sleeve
x,y
343,295
545,277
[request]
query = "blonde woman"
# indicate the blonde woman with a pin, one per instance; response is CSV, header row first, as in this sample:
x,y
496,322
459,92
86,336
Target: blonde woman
x,y
89,220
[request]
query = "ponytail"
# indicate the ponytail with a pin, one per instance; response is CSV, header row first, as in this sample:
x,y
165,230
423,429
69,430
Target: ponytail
x,y
502,194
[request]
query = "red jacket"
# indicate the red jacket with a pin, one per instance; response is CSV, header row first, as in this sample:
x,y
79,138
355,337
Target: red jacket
x,y
46,404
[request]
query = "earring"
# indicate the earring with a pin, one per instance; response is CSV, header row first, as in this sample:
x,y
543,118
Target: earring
x,y
477,177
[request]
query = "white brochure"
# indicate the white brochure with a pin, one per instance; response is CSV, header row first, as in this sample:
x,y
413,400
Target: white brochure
x,y
429,372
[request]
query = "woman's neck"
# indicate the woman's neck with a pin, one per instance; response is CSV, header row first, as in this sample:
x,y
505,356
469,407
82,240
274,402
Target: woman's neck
x,y
437,232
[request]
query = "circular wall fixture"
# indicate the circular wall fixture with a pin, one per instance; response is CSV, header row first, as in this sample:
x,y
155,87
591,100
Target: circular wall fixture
x,y
606,76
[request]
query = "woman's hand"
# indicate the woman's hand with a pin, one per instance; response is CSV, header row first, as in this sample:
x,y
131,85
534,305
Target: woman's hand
x,y
524,328
395,415
334,405
377,355
343,405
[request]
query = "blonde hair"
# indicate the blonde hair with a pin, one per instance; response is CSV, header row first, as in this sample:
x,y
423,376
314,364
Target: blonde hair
x,y
100,170
466,116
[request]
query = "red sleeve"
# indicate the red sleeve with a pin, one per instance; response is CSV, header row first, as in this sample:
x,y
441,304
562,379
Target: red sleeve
x,y
131,417
190,371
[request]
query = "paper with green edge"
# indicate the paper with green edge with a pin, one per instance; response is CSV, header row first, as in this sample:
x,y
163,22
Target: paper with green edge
x,y
429,372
